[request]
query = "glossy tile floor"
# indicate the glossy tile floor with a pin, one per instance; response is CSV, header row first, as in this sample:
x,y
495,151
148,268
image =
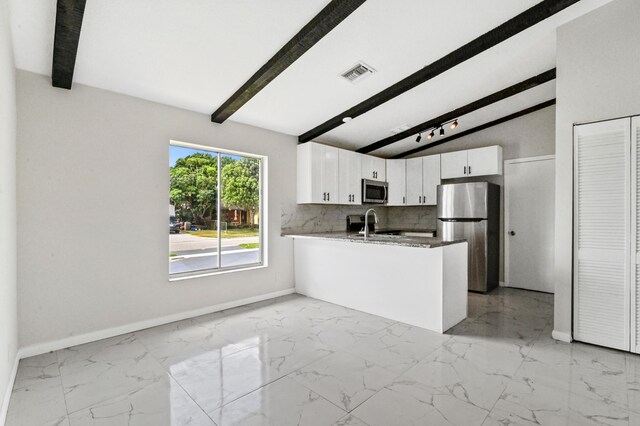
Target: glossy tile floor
x,y
300,361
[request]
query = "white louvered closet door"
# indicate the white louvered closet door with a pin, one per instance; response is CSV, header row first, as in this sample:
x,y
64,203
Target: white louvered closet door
x,y
635,234
602,233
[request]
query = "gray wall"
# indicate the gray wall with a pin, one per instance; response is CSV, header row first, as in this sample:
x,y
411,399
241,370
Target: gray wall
x,y
93,187
598,61
8,303
529,136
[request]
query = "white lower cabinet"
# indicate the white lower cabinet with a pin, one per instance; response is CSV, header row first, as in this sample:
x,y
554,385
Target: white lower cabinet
x,y
397,180
423,178
349,190
606,291
317,174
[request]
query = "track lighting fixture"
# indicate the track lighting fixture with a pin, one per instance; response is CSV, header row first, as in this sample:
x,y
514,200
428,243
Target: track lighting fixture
x,y
432,130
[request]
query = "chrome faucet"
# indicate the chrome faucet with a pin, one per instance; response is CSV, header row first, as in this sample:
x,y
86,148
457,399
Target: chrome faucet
x,y
366,222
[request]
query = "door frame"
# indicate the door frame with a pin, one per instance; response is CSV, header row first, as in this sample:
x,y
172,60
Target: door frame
x,y
506,206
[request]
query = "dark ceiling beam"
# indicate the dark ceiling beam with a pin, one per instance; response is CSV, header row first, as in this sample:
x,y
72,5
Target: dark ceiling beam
x,y
477,129
466,109
519,23
325,21
69,14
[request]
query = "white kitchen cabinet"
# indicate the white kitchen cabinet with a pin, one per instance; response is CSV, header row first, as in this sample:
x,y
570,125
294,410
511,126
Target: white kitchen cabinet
x,y
423,178
373,168
472,162
349,177
484,161
414,181
430,179
397,179
317,174
453,164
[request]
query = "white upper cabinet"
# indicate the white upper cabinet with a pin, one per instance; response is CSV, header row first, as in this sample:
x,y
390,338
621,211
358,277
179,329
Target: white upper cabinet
x,y
423,178
430,179
317,173
373,168
454,164
414,181
397,179
349,190
472,162
485,161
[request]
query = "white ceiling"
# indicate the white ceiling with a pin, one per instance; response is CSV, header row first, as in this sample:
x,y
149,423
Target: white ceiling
x,y
194,54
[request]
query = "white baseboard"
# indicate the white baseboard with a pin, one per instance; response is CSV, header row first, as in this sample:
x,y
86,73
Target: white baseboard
x,y
563,337
42,348
7,395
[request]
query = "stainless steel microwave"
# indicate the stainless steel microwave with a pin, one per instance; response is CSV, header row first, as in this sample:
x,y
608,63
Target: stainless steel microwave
x,y
374,192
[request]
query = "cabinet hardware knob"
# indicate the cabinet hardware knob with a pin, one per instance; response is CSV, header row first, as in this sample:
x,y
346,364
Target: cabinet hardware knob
x,y
324,196
469,170
328,196
465,170
512,233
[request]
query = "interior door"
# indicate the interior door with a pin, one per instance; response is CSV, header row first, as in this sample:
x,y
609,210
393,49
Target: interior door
x,y
602,226
635,234
529,223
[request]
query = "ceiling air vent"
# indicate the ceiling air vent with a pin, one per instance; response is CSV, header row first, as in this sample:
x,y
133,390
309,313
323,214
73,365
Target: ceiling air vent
x,y
358,72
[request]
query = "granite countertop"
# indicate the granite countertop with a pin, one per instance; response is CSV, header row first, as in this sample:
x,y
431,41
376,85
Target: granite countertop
x,y
396,240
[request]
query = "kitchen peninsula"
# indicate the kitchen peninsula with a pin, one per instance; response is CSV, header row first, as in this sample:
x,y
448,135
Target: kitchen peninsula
x,y
420,281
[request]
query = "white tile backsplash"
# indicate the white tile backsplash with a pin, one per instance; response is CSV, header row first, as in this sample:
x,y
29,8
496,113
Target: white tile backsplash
x,y
310,218
408,218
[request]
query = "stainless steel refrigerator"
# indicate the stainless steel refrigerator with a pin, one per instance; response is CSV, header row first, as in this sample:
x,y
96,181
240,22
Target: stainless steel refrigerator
x,y
471,211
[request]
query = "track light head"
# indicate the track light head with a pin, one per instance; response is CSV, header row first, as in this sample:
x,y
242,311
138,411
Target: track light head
x,y
454,124
431,135
419,138
441,131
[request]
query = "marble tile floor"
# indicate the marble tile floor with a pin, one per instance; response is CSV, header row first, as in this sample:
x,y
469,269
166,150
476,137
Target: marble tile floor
x,y
300,361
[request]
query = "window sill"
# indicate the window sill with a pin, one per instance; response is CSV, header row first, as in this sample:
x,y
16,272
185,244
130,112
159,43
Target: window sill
x,y
208,273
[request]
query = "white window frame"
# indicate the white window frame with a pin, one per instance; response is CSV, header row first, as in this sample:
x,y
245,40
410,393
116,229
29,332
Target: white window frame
x,y
262,218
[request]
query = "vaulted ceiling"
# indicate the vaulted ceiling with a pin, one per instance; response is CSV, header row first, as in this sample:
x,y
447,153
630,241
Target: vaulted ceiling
x,y
196,54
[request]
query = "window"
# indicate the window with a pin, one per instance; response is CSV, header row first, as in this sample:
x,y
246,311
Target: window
x,y
215,210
